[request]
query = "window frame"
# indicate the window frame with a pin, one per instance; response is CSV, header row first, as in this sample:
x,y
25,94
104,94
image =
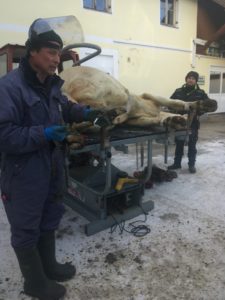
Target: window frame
x,y
94,6
166,12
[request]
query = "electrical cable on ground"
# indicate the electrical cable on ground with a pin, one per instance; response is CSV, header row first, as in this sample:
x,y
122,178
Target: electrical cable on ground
x,y
137,230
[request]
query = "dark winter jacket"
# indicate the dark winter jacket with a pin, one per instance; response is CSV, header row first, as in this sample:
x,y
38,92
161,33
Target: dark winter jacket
x,y
32,167
190,94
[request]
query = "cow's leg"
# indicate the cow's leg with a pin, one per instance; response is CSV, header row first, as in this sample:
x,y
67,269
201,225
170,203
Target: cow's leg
x,y
81,126
144,121
120,119
173,120
164,120
171,103
201,106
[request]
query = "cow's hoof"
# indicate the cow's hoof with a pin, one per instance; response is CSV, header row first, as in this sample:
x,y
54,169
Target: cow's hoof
x,y
75,146
120,119
176,122
116,121
205,106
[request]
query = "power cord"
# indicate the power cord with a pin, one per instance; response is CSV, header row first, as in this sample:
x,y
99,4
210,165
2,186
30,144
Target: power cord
x,y
137,230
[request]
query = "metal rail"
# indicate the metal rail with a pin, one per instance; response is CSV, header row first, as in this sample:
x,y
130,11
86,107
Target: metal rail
x,y
97,51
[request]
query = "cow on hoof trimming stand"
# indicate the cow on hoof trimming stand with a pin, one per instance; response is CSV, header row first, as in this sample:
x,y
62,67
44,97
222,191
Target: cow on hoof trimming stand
x,y
90,86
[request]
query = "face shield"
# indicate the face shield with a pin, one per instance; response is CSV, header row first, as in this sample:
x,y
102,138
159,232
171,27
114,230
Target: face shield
x,y
66,31
67,28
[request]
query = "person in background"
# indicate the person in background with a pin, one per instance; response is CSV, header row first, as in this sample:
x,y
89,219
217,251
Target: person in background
x,y
32,113
190,91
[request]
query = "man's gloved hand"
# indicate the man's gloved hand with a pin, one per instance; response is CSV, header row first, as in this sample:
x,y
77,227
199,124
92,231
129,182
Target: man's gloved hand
x,y
96,117
56,133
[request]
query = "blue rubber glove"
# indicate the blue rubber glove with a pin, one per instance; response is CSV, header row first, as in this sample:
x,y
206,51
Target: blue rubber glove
x,y
55,133
90,114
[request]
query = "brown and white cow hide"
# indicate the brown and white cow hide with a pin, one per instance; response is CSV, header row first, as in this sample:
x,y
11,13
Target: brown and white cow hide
x,y
90,86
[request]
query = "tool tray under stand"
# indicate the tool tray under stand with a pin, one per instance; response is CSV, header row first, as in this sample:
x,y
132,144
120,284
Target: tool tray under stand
x,y
91,189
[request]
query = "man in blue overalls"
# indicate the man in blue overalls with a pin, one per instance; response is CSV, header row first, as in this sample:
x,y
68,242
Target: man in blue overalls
x,y
31,111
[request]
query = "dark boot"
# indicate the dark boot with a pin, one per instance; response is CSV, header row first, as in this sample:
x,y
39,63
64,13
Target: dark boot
x,y
174,166
179,152
192,169
191,165
53,269
36,283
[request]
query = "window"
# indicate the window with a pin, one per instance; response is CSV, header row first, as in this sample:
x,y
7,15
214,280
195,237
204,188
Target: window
x,y
99,5
168,12
215,79
217,82
223,84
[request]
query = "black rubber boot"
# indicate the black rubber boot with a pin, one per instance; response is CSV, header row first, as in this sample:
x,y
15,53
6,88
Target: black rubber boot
x,y
36,283
53,269
192,169
177,160
179,152
174,166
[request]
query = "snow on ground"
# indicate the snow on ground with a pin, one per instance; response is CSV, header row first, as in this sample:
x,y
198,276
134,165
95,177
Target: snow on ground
x,y
181,258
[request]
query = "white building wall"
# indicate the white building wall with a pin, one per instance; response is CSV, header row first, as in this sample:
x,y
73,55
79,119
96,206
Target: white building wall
x,y
149,57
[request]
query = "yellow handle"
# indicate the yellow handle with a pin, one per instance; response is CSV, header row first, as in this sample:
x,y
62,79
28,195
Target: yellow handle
x,y
121,181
